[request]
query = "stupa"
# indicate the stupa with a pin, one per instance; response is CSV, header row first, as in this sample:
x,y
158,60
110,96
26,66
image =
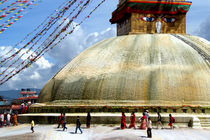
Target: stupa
x,y
151,64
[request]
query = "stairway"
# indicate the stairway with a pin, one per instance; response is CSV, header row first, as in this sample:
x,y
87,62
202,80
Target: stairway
x,y
205,122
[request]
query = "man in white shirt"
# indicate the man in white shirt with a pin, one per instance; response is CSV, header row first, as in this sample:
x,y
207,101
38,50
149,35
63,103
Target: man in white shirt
x,y
8,119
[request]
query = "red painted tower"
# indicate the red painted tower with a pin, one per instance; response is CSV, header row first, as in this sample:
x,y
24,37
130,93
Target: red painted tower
x,y
28,96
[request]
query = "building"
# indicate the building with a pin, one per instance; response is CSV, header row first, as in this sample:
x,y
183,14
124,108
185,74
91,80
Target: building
x,y
28,96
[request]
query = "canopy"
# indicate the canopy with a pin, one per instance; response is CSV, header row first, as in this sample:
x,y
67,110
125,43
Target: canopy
x,y
150,7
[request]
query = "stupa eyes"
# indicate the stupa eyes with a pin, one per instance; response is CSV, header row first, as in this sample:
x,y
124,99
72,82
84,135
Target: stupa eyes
x,y
148,19
168,20
165,19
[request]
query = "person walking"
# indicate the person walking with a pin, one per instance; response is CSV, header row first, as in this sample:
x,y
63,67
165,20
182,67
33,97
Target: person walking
x,y
147,115
171,121
26,108
149,128
143,122
22,108
60,120
8,119
64,122
12,118
32,126
5,119
2,118
132,119
123,121
159,119
78,124
88,119
15,120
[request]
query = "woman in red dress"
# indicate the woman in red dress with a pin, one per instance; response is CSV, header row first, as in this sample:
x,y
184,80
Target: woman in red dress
x,y
123,125
143,122
133,119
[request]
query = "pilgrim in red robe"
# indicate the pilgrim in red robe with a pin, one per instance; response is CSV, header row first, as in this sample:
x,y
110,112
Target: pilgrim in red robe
x,y
132,119
123,125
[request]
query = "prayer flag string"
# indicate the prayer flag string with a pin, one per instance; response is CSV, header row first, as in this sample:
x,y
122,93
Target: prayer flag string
x,y
50,16
31,46
48,44
88,16
8,7
27,62
40,33
10,10
4,27
3,1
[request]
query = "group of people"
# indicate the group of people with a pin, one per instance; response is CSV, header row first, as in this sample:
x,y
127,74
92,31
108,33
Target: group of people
x,y
6,119
62,122
24,107
145,122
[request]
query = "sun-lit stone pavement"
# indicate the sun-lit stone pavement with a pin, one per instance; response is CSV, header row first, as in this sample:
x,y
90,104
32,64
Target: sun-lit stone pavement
x,y
98,132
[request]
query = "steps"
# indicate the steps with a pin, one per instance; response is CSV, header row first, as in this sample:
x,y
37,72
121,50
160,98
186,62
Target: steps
x,y
205,122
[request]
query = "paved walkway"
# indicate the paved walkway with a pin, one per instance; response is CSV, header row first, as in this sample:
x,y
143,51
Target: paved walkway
x,y
98,132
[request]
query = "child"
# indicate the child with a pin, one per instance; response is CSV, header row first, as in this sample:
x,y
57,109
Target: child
x,y
171,121
32,126
149,128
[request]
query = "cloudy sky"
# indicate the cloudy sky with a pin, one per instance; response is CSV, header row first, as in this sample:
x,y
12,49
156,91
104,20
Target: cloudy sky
x,y
95,29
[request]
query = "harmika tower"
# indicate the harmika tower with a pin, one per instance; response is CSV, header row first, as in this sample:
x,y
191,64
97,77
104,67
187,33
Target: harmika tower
x,y
150,16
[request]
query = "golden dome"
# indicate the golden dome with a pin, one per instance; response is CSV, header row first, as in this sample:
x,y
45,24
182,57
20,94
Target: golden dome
x,y
146,69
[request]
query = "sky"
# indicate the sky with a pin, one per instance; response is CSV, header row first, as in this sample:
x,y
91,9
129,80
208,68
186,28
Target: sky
x,y
94,29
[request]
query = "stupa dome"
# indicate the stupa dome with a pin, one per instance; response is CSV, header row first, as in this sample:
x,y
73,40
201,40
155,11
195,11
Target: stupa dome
x,y
135,70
